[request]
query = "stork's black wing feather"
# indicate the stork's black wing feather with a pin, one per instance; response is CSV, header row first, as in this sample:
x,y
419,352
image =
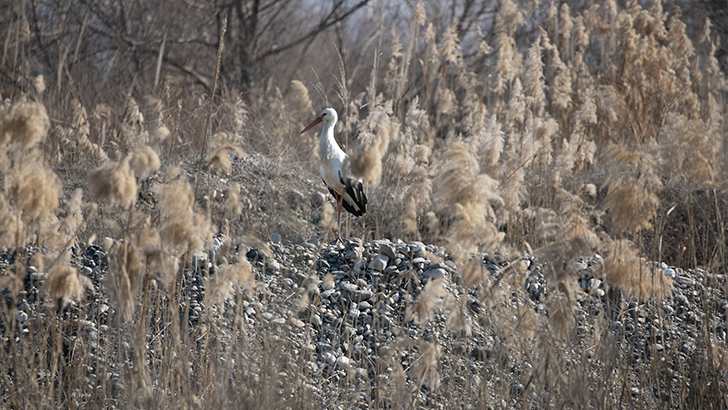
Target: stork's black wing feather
x,y
355,201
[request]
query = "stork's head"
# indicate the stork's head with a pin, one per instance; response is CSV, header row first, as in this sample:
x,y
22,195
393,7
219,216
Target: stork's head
x,y
327,115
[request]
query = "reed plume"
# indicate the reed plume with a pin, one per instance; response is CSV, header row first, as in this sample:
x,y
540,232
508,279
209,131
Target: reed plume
x,y
467,198
433,295
375,132
114,182
632,198
227,278
143,161
25,122
623,267
220,158
183,228
65,282
34,187
426,368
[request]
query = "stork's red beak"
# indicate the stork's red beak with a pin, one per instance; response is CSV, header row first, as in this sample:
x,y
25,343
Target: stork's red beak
x,y
311,125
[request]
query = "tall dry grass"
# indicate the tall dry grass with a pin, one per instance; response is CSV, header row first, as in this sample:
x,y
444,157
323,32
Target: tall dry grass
x,y
600,132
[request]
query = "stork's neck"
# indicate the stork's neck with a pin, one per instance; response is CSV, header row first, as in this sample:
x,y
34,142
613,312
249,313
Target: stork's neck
x,y
328,141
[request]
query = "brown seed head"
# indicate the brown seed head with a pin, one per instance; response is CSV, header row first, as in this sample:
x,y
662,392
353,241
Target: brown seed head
x,y
113,182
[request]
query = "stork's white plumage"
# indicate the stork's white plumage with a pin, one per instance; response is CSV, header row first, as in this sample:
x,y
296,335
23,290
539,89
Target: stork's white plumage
x,y
346,189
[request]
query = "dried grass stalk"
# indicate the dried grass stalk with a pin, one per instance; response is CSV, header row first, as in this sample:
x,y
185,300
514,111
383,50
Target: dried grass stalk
x,y
328,217
467,197
300,100
162,263
472,271
232,203
126,273
11,223
458,320
561,310
426,368
631,207
375,133
74,216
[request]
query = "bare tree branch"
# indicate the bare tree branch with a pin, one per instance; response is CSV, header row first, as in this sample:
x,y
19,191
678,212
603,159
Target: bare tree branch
x,y
325,23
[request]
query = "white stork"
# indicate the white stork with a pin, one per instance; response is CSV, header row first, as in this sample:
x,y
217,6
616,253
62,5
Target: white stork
x,y
334,166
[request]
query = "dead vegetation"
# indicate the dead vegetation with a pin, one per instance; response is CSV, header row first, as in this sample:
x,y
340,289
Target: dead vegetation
x,y
598,132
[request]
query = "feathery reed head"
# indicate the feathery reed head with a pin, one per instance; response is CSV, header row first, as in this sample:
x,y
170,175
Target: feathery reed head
x,y
227,278
113,182
375,133
432,295
35,187
623,267
143,161
220,158
467,197
27,123
183,227
65,282
299,99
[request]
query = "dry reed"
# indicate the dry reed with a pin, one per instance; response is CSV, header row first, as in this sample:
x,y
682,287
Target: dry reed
x,y
550,139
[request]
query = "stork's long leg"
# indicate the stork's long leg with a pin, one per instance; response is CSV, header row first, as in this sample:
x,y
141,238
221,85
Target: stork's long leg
x,y
339,204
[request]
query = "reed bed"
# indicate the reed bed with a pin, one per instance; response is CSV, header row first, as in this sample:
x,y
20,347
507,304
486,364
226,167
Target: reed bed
x,y
558,139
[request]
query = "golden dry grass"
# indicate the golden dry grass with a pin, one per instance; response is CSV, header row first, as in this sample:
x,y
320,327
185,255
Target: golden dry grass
x,y
557,143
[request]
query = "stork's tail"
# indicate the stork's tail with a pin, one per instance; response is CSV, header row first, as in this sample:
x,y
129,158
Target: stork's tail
x,y
355,201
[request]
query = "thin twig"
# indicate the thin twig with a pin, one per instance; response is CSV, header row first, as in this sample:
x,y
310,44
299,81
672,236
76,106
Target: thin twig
x,y
209,110
175,134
